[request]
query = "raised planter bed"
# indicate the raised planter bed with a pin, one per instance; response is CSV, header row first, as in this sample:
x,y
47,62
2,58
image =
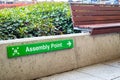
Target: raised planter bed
x,y
87,50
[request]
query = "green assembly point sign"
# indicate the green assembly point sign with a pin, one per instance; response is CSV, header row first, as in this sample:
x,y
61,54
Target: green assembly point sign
x,y
36,48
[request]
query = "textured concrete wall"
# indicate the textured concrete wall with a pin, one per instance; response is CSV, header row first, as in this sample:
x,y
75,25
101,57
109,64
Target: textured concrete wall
x,y
87,50
94,49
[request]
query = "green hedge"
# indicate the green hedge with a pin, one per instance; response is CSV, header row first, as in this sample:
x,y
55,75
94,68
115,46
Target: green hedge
x,y
42,19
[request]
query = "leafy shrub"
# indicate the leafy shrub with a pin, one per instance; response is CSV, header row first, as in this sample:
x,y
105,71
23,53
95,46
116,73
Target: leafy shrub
x,y
42,19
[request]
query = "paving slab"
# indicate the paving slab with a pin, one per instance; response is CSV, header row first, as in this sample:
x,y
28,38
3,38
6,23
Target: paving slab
x,y
116,78
114,63
73,75
102,71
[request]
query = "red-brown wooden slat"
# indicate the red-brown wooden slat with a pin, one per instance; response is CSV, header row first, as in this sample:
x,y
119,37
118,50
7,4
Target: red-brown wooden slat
x,y
97,8
96,13
94,22
111,5
103,30
94,18
109,25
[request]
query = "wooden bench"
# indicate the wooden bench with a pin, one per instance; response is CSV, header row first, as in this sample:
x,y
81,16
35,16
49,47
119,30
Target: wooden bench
x,y
96,19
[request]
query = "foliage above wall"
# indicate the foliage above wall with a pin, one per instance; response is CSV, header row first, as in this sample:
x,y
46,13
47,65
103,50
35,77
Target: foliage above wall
x,y
42,19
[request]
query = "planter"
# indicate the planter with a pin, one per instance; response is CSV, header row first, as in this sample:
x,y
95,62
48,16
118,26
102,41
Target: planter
x,y
87,50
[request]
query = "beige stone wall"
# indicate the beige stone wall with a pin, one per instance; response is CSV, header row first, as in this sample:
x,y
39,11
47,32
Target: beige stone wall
x,y
87,50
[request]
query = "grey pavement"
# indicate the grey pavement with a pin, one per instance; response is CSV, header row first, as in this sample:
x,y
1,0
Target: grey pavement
x,y
104,71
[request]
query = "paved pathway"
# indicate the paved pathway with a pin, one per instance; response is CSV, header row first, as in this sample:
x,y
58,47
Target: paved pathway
x,y
103,71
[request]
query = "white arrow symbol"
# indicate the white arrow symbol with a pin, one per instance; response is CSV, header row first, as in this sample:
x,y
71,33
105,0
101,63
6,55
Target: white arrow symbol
x,y
15,51
69,43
